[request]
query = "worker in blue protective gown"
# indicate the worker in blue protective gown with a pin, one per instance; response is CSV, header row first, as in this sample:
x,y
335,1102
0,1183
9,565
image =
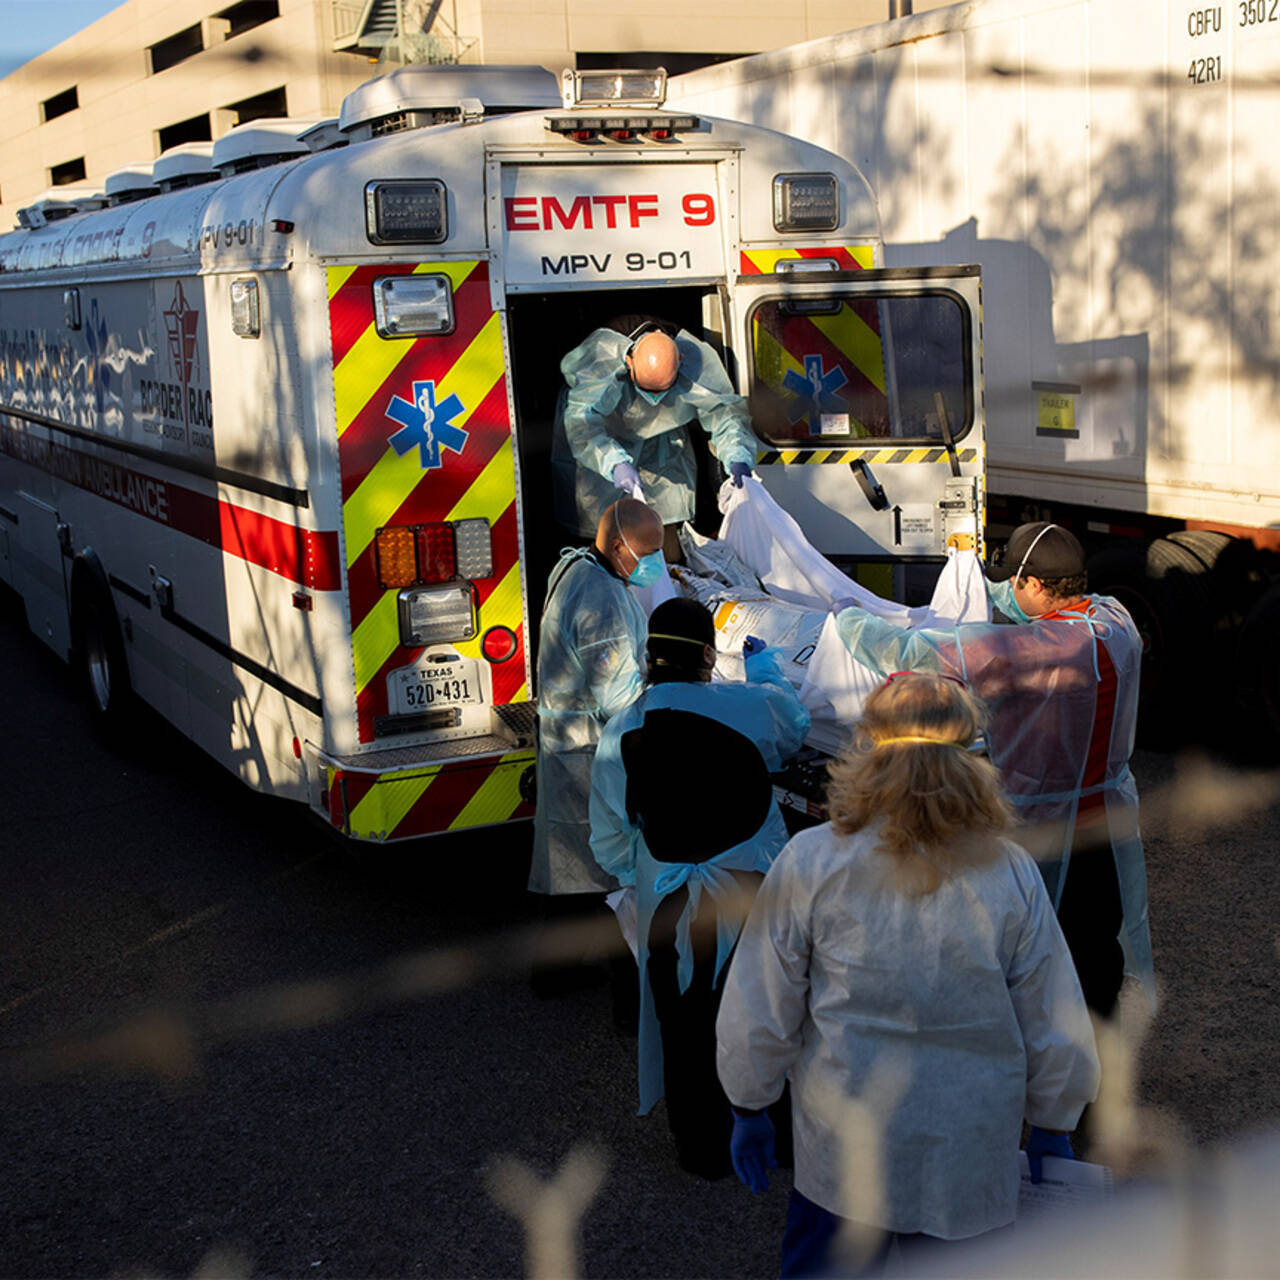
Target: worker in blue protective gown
x,y
1062,689
591,646
620,423
901,968
696,862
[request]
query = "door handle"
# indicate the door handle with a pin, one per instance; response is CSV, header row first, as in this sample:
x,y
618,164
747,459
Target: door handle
x,y
870,486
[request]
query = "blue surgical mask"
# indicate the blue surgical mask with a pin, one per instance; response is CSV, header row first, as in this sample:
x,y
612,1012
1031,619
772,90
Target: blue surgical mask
x,y
653,397
648,568
647,571
1002,597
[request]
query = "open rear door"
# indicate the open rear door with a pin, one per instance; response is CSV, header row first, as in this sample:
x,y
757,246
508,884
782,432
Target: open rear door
x,y
866,387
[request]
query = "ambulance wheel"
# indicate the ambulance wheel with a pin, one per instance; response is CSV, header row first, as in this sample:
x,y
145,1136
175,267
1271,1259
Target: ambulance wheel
x,y
104,670
1163,587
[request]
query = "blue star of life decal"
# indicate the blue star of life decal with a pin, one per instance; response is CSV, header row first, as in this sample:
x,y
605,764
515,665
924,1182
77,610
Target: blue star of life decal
x,y
816,392
426,425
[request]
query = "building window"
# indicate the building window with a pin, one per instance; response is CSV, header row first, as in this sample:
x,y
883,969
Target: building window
x,y
69,171
197,129
260,106
248,14
59,104
169,52
675,63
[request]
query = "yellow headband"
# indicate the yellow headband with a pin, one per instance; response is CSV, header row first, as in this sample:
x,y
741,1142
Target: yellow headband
x,y
938,742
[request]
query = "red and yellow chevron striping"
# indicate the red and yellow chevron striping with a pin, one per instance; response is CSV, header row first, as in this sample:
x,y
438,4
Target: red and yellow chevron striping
x,y
430,799
465,466
812,364
854,257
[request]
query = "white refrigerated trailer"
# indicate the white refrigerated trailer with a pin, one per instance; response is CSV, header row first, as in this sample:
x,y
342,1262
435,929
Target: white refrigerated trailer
x,y
1113,167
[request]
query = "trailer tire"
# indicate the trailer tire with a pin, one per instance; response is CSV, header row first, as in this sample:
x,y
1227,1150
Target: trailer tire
x,y
100,657
1232,567
1164,587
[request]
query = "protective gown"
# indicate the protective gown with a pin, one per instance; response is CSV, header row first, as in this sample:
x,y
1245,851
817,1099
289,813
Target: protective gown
x,y
602,420
917,1031
591,647
766,713
1040,682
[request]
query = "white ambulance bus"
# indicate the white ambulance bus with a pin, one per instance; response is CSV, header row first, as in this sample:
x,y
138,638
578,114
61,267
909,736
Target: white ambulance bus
x,y
275,421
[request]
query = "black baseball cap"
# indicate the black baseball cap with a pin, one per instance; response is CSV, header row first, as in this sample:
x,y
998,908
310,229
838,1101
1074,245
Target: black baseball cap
x,y
678,630
1040,550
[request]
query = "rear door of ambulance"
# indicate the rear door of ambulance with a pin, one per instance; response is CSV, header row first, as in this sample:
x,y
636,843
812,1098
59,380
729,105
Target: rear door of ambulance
x,y
433,549
866,391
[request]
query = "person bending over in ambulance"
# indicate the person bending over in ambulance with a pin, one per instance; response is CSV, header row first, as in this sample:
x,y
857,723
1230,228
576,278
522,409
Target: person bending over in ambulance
x,y
620,425
1062,689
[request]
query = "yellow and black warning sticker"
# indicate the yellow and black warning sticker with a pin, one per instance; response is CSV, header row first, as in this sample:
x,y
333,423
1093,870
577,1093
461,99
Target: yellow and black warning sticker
x,y
810,457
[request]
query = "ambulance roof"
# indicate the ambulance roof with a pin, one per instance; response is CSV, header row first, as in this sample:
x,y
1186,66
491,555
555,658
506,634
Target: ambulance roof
x,y
323,136
499,89
132,181
183,164
250,146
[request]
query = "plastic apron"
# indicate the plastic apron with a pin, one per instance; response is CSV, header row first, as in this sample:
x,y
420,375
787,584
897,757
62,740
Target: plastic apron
x,y
771,717
590,664
1039,681
601,420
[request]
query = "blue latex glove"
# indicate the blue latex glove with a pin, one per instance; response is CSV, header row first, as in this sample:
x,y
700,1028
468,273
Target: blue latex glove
x,y
738,471
1041,1143
751,1150
626,477
753,645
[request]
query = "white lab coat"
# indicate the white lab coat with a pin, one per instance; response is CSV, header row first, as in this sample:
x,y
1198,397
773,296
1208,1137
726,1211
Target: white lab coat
x,y
949,1016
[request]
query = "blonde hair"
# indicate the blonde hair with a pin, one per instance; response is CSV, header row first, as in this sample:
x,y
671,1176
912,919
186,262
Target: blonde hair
x,y
909,769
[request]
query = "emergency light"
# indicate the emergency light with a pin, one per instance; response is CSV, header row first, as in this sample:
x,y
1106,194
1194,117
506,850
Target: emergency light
x,y
405,212
404,306
587,88
659,128
413,555
806,202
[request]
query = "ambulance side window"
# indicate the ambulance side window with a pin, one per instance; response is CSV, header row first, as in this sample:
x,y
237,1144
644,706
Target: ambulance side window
x,y
835,369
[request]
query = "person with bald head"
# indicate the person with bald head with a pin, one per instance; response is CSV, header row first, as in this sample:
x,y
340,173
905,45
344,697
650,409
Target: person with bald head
x,y
621,419
590,667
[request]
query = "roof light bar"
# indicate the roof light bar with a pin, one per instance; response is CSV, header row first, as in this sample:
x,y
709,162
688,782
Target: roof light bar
x,y
659,128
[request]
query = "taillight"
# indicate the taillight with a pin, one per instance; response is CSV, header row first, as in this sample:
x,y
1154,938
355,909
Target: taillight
x,y
474,546
412,555
397,557
498,644
436,559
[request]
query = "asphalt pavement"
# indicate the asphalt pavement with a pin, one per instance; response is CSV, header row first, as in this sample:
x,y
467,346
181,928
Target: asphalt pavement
x,y
231,1046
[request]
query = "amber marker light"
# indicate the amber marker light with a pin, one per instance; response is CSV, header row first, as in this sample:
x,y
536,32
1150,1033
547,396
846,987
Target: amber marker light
x,y
397,557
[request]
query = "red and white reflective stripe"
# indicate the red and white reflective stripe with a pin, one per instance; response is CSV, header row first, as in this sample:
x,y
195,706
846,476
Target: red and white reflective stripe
x,y
307,557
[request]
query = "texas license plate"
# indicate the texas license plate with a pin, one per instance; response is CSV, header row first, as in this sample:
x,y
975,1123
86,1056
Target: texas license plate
x,y
434,685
